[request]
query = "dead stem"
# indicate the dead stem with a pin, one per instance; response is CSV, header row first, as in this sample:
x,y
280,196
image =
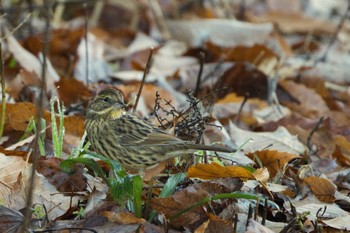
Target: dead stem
x,y
335,35
147,69
27,213
3,94
308,141
86,44
199,77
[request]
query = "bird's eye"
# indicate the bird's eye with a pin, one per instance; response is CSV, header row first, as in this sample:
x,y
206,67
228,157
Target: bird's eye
x,y
106,99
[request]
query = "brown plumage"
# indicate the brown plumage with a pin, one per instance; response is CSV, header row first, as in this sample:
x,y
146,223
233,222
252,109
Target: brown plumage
x,y
134,143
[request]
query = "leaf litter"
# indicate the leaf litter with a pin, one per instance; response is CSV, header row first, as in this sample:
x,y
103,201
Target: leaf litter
x,y
273,85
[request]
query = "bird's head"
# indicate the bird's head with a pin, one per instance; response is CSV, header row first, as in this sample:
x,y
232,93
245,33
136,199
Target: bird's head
x,y
108,102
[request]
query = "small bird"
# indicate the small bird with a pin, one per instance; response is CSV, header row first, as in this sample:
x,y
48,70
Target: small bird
x,y
135,143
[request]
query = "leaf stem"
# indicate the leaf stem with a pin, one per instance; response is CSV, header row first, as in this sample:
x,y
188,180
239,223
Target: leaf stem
x,y
3,94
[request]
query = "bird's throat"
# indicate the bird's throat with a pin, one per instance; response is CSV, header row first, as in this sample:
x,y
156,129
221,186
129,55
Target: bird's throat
x,y
116,113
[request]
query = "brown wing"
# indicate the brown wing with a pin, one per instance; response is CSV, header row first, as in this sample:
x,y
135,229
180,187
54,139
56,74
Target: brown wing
x,y
138,131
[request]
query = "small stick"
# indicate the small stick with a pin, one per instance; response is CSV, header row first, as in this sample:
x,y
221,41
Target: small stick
x,y
263,221
246,96
199,77
3,93
86,43
148,200
250,214
27,213
308,141
236,223
257,209
335,35
147,69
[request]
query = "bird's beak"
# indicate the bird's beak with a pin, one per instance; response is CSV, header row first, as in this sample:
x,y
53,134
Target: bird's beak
x,y
121,103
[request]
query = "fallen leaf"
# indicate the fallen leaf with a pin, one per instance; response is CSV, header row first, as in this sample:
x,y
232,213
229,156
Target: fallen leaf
x,y
31,63
340,157
236,32
322,188
310,103
65,183
295,23
261,174
215,170
122,217
214,223
11,220
255,227
280,140
244,79
187,197
340,223
72,91
273,160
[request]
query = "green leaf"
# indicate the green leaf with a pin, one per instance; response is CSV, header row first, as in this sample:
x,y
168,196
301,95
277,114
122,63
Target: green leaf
x,y
12,64
137,193
171,184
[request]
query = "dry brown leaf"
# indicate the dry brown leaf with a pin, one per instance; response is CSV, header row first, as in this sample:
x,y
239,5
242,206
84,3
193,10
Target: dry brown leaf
x,y
190,195
11,167
215,170
261,174
309,103
295,23
122,217
255,54
23,79
19,114
245,80
340,157
154,171
273,160
66,183
214,223
72,91
322,188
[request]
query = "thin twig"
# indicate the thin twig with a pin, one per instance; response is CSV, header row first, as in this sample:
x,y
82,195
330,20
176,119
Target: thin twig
x,y
66,228
236,223
250,214
27,214
3,94
242,10
31,9
147,69
308,141
16,28
199,77
246,96
148,200
200,100
214,70
263,221
159,19
335,34
86,44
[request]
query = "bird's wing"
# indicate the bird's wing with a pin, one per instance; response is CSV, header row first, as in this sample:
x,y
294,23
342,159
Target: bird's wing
x,y
138,131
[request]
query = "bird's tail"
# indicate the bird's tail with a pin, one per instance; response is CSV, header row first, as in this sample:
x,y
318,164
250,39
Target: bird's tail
x,y
211,148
